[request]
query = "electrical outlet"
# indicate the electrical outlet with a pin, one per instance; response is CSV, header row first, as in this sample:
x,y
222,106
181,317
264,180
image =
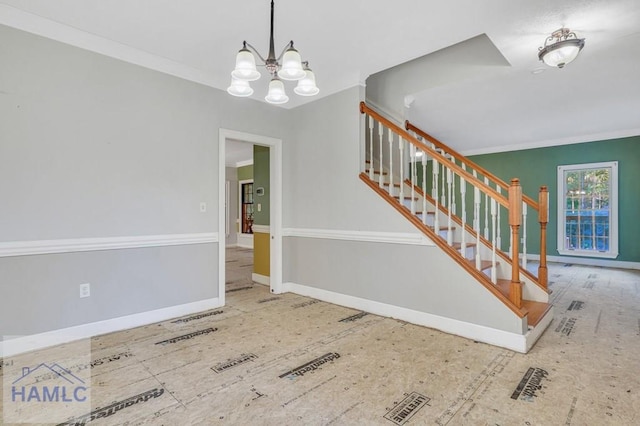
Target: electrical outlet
x,y
85,290
203,207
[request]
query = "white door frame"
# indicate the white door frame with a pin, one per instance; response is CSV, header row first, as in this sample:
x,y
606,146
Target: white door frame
x,y
275,201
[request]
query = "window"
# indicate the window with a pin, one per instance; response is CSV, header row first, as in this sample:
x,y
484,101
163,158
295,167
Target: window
x,y
588,210
247,207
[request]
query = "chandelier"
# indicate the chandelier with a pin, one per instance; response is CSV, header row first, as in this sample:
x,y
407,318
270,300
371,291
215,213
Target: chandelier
x,y
560,48
287,66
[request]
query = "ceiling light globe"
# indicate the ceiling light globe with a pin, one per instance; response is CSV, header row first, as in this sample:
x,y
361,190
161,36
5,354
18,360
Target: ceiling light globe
x,y
240,88
307,85
561,53
276,94
245,66
291,65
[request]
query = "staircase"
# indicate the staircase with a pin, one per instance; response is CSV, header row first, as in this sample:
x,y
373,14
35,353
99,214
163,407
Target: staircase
x,y
465,210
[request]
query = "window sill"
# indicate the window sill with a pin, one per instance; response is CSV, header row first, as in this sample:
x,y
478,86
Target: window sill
x,y
596,254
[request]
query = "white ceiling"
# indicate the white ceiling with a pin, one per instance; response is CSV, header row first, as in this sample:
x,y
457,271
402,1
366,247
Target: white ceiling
x,y
596,97
238,153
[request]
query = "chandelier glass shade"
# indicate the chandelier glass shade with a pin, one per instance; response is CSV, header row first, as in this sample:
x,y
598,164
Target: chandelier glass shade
x,y
287,66
561,48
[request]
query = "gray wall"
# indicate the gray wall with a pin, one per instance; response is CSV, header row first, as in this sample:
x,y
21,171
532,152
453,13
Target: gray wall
x,y
321,167
94,147
420,278
322,191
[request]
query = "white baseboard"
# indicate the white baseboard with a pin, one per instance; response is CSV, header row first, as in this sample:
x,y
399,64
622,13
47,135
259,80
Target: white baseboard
x,y
261,279
588,261
513,341
56,337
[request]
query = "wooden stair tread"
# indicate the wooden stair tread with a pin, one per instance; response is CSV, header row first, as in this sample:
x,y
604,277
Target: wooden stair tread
x,y
484,264
376,172
458,246
537,311
443,228
396,185
406,197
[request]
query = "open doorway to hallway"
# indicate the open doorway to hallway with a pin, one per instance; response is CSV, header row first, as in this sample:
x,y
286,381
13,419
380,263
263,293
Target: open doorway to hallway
x,y
250,211
240,210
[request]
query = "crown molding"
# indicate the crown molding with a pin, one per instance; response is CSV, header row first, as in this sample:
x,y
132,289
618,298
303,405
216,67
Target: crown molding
x,y
34,24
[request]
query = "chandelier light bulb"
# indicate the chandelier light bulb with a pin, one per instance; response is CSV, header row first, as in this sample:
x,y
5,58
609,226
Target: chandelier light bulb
x,y
291,65
245,66
240,88
276,94
307,84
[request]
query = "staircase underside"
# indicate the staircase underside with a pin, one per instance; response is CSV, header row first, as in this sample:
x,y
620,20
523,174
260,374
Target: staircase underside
x,y
538,315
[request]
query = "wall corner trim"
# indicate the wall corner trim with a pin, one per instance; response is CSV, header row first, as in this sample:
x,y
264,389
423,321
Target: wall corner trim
x,y
56,337
25,248
363,236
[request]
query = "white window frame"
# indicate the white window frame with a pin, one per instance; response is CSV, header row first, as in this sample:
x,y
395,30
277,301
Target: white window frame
x,y
613,202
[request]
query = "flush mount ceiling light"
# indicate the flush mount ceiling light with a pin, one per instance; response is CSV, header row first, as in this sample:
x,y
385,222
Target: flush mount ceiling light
x,y
287,66
560,48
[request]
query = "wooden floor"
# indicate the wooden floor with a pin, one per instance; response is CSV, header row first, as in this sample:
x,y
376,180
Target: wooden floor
x,y
269,359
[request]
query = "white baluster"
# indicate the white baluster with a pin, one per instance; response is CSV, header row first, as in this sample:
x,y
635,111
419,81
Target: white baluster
x,y
401,148
370,147
424,188
453,189
436,170
486,211
450,196
498,237
494,276
391,189
412,151
463,192
476,222
524,235
381,133
443,195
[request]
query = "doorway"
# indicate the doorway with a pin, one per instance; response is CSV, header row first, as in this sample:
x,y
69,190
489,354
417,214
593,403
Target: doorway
x,y
273,234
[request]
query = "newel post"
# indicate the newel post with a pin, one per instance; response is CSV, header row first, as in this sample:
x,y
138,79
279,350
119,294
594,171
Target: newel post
x,y
515,220
543,214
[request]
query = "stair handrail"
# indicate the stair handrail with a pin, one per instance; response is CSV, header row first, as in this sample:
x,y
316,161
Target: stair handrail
x,y
542,206
474,166
500,198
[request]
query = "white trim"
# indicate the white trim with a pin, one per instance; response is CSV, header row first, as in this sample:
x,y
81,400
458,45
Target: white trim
x,y
25,248
244,240
244,163
594,137
619,264
275,200
261,229
260,279
364,236
513,341
613,204
35,24
56,337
